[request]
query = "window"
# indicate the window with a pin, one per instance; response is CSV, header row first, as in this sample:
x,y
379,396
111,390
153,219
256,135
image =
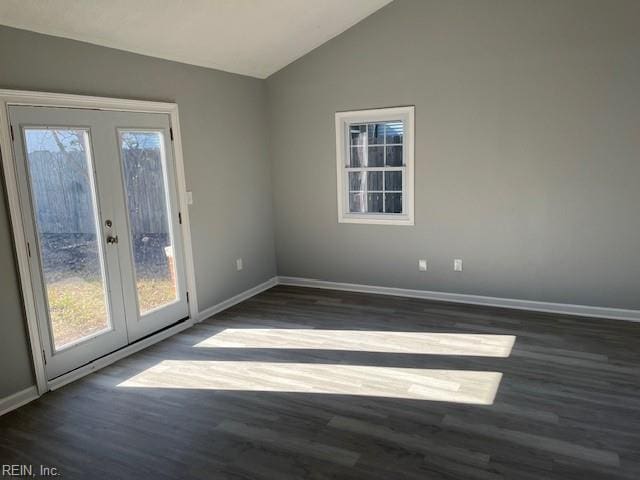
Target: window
x,y
375,166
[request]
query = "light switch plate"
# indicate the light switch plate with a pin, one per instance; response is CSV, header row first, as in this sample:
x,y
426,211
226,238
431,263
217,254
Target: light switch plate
x,y
457,265
189,198
422,265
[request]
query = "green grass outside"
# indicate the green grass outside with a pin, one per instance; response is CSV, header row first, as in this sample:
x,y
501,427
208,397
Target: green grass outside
x,y
78,307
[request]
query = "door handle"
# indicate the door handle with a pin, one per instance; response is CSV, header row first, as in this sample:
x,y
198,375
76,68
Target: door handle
x,y
111,239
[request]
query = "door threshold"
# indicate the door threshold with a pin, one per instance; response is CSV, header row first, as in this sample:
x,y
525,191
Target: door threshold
x,y
119,354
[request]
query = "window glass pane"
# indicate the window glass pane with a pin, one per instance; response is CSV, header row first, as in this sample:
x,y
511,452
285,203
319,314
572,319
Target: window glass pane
x,y
356,181
393,202
374,181
146,183
357,134
356,202
376,133
376,164
374,202
66,214
393,181
394,132
394,156
376,157
357,157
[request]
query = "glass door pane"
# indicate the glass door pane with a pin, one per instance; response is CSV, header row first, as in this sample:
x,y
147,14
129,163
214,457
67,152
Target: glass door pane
x,y
64,198
146,185
100,209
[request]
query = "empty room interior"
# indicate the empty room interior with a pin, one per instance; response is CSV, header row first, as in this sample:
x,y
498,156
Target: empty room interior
x,y
335,239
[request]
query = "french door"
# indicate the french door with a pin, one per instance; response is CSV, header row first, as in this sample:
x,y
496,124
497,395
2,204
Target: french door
x,y
99,202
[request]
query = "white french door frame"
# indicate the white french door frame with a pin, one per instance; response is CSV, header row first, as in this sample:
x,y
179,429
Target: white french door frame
x,y
20,237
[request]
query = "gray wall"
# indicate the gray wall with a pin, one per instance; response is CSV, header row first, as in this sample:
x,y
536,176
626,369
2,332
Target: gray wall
x,y
223,119
527,149
527,141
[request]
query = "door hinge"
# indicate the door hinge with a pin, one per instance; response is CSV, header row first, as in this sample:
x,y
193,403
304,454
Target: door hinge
x,y
29,249
171,133
44,357
12,137
187,297
180,218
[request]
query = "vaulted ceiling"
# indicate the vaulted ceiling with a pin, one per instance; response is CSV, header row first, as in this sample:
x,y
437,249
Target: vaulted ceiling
x,y
251,37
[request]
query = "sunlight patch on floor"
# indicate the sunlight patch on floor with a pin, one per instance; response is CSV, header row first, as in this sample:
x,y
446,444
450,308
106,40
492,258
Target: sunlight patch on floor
x,y
458,386
481,345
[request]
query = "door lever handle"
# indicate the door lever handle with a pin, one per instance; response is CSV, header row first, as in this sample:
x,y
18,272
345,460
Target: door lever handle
x,y
112,239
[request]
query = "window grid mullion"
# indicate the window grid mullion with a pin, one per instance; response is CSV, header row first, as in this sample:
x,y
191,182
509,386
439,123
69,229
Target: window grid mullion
x,y
404,175
365,174
366,168
384,164
375,169
348,165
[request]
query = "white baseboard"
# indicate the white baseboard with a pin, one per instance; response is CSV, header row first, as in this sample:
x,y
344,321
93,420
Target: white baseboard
x,y
18,399
241,297
547,307
117,355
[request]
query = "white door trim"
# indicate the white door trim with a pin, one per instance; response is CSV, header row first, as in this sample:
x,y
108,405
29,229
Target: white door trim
x,y
18,97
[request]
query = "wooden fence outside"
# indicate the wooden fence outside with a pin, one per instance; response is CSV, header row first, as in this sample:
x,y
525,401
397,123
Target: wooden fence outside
x,y
61,189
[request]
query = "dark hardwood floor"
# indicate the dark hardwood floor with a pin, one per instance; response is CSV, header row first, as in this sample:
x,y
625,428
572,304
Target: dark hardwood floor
x,y
246,395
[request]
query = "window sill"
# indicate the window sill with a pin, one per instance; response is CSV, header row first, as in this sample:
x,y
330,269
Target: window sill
x,y
400,220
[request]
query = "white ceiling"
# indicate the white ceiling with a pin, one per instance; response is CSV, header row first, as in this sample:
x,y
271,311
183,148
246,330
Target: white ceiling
x,y
252,37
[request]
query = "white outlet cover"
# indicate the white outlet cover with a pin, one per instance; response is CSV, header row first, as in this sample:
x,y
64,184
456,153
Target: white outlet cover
x,y
422,265
189,198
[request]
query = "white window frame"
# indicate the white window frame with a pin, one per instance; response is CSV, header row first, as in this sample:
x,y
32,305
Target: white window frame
x,y
343,121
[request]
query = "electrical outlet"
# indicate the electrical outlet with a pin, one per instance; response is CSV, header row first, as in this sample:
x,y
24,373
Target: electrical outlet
x,y
239,265
189,198
422,265
457,265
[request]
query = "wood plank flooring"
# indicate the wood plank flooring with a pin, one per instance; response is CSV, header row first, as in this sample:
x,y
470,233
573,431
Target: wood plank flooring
x,y
302,383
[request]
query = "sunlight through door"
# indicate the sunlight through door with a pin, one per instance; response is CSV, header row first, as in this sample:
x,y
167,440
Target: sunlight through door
x,y
463,344
458,386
